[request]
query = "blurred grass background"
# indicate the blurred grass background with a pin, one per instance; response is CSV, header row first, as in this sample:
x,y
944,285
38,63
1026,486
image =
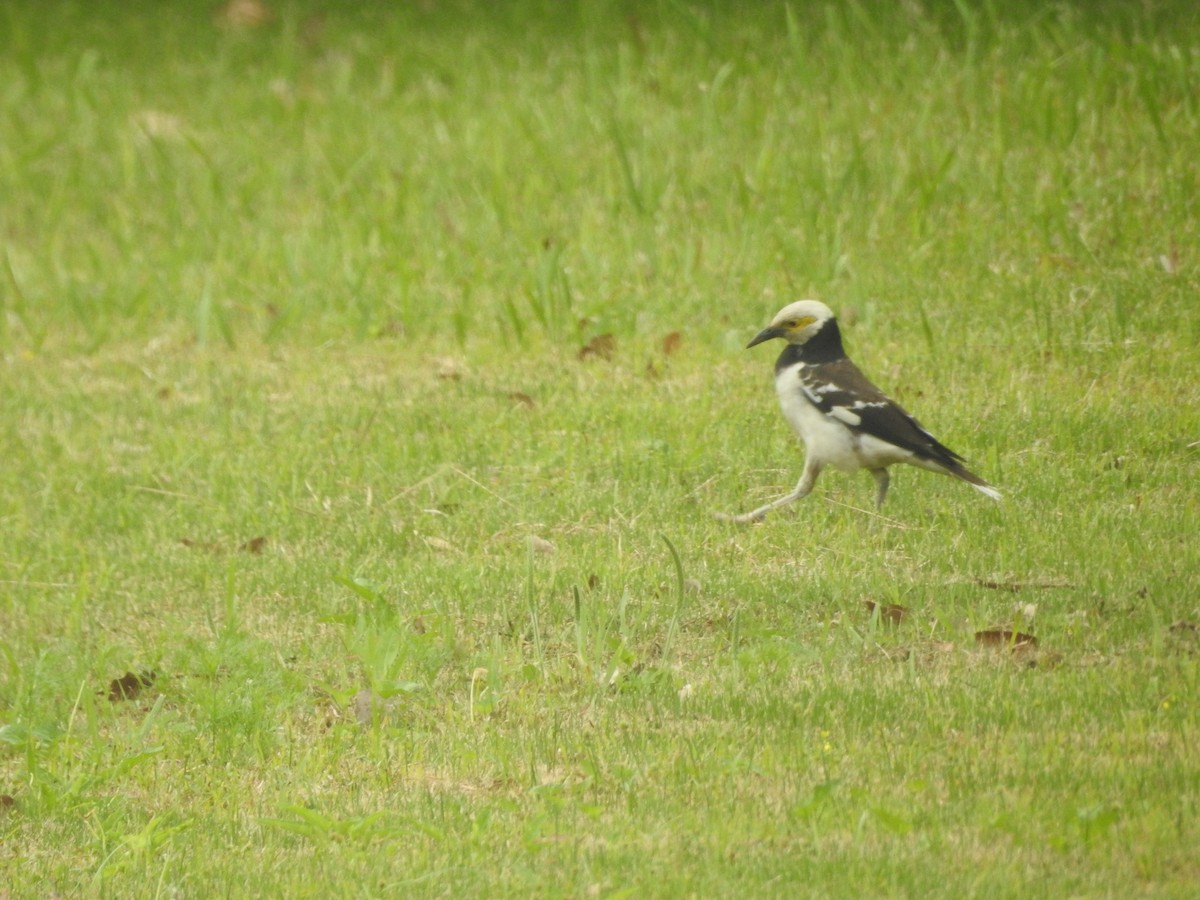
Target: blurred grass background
x,y
509,169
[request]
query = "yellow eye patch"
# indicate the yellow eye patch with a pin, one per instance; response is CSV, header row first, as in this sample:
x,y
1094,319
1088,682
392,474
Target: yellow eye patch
x,y
800,323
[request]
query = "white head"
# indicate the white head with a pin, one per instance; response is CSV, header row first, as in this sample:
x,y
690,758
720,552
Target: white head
x,y
796,322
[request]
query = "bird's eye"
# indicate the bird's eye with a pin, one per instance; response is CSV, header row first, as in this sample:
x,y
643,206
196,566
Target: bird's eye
x,y
790,324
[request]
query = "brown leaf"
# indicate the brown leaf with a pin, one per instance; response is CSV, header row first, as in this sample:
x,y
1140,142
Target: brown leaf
x,y
1004,637
254,545
7,801
892,613
129,686
671,343
602,346
593,581
522,398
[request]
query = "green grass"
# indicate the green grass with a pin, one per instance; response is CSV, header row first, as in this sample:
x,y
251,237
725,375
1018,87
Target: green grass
x,y
324,282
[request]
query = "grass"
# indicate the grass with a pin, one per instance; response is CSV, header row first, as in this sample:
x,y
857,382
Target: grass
x,y
416,601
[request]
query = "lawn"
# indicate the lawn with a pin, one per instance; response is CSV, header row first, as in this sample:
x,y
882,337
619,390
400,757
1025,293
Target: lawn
x,y
370,375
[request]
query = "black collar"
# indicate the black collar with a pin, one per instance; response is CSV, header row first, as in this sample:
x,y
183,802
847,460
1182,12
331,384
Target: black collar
x,y
823,347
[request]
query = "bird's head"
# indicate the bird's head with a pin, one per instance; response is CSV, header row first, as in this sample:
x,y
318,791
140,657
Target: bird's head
x,y
795,323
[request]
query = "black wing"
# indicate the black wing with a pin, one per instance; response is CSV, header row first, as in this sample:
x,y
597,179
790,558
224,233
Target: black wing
x,y
840,390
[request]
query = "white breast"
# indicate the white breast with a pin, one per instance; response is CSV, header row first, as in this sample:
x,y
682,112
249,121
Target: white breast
x,y
827,440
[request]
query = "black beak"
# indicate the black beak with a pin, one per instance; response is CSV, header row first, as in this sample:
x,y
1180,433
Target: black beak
x,y
765,335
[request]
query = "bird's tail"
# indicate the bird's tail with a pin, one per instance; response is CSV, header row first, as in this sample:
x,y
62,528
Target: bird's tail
x,y
987,489
975,481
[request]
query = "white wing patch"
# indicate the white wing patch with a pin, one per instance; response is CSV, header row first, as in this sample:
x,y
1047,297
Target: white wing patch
x,y
812,394
842,414
848,415
818,395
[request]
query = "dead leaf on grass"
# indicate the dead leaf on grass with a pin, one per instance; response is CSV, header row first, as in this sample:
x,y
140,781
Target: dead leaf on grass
x,y
254,545
7,802
602,346
892,613
129,686
1004,637
521,398
671,343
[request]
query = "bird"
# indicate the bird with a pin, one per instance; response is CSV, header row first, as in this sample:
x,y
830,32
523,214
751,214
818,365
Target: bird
x,y
843,419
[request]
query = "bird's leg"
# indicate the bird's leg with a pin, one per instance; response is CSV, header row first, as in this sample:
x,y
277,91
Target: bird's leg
x,y
803,488
881,480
